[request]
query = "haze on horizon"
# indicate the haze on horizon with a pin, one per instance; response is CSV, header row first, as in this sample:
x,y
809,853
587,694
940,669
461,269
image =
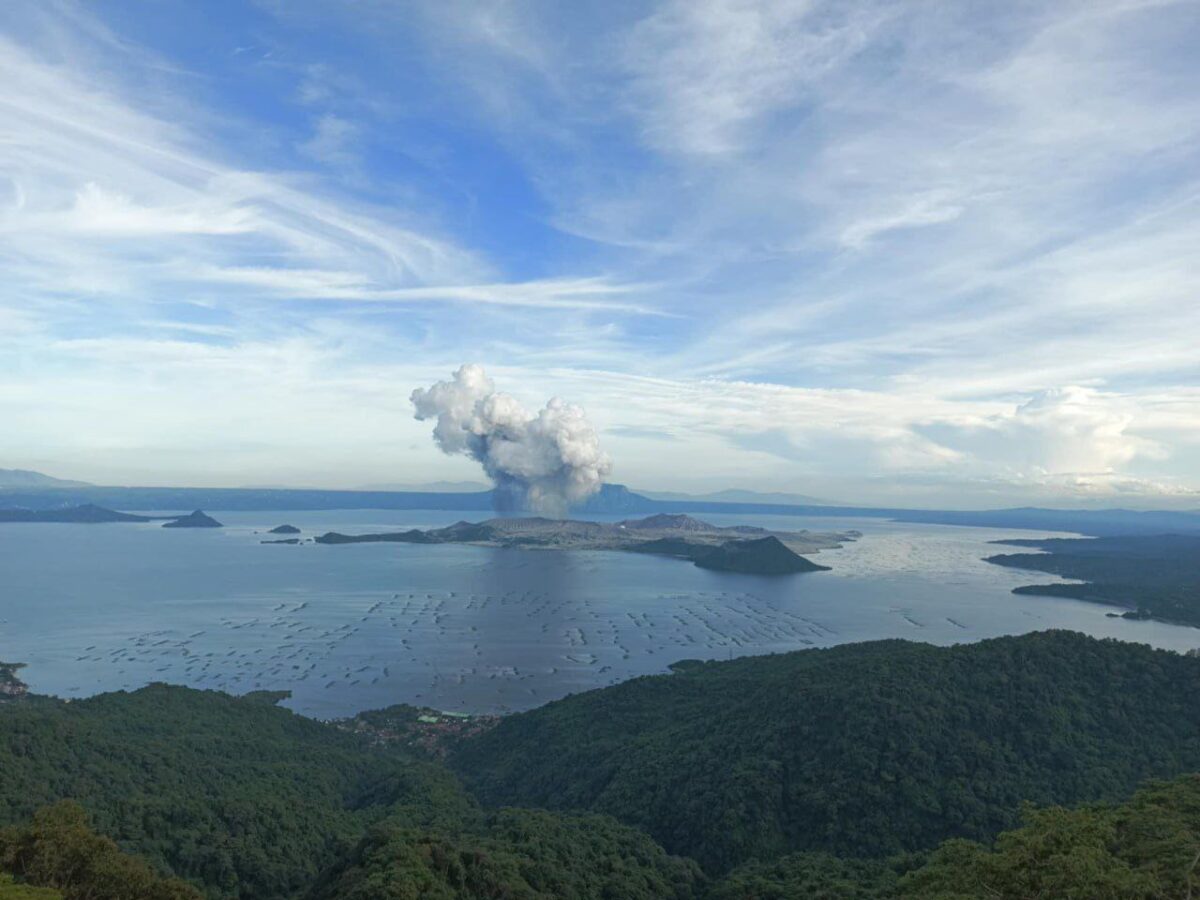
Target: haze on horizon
x,y
893,253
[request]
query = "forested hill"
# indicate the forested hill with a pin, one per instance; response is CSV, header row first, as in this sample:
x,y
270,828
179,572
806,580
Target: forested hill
x,y
1145,848
1150,575
247,800
864,749
232,793
757,769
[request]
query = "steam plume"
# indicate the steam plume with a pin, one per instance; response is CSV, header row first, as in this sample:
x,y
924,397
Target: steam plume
x,y
546,461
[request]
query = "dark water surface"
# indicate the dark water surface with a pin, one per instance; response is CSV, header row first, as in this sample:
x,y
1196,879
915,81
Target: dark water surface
x,y
345,628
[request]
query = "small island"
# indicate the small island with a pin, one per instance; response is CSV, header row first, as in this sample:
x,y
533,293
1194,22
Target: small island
x,y
284,529
196,519
742,548
759,556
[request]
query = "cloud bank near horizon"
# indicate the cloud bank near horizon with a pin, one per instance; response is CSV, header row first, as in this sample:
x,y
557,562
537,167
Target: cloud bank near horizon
x,y
872,251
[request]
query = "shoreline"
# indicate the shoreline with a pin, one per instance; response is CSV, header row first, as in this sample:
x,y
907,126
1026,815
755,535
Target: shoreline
x,y
411,709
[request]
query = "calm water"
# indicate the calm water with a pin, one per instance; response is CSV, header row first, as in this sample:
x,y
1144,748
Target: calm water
x,y
97,608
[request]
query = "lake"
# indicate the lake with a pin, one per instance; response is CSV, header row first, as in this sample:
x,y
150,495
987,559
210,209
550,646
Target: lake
x,y
346,628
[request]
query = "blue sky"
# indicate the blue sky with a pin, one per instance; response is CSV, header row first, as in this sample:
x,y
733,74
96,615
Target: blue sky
x,y
910,252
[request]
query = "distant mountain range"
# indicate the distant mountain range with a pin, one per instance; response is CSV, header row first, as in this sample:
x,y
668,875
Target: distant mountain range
x,y
435,487
613,499
23,478
88,514
735,495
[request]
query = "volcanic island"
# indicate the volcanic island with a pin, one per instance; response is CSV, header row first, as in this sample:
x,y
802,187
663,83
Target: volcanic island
x,y
744,549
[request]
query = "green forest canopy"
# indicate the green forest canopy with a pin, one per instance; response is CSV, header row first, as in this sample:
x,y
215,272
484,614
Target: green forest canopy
x,y
1156,575
824,773
858,750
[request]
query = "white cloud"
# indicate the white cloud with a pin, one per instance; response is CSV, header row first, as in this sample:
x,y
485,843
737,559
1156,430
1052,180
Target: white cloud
x,y
333,141
704,72
1071,433
102,213
566,294
81,164
926,209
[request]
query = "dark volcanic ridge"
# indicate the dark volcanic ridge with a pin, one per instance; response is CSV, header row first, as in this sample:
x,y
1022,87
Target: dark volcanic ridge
x,y
744,549
87,514
90,514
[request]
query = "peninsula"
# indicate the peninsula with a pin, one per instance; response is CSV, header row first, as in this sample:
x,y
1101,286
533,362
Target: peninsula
x,y
740,548
1146,576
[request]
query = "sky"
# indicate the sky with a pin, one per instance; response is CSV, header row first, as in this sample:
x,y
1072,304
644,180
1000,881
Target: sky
x,y
900,252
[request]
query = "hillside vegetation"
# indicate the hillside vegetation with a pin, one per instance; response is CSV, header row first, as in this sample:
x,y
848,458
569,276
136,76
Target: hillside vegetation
x,y
513,854
247,800
854,772
236,794
13,890
1147,848
859,750
59,857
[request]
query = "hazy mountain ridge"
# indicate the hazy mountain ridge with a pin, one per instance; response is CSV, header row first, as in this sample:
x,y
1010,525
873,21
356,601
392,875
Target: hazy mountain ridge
x,y
740,495
613,499
87,514
25,479
430,487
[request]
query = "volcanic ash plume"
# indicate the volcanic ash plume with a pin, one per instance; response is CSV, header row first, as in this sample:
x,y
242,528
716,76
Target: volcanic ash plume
x,y
547,462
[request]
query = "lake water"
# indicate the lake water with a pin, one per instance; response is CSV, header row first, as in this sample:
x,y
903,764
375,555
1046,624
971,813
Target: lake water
x,y
347,628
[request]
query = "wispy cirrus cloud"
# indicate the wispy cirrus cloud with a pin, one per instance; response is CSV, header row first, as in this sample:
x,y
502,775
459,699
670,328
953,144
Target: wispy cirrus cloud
x,y
87,172
703,78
